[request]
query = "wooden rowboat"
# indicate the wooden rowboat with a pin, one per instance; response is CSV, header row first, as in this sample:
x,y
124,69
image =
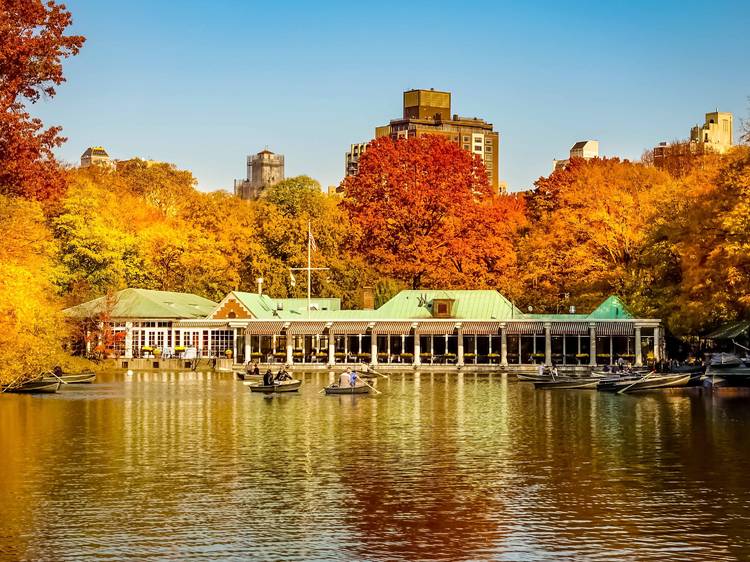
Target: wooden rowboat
x,y
245,376
567,384
281,386
86,377
653,383
34,387
335,389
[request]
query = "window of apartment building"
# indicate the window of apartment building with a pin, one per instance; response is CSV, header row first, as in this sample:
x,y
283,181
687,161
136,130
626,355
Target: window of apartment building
x,y
488,148
478,147
467,147
466,139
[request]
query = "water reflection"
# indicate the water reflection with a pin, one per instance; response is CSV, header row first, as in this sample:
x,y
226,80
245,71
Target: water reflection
x,y
440,466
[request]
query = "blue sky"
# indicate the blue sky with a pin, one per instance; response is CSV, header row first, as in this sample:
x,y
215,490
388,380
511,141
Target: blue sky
x,y
203,84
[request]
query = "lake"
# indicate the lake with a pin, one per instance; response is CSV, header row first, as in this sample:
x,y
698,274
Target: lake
x,y
184,466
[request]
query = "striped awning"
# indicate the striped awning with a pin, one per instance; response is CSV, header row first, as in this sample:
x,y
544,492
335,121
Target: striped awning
x,y
358,327
614,328
218,324
525,328
392,328
306,328
480,328
265,328
570,328
436,328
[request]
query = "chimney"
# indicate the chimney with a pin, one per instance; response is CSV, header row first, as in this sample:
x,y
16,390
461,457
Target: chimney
x,y
368,298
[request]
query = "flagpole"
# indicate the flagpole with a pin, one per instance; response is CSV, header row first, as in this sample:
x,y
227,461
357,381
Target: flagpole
x,y
309,269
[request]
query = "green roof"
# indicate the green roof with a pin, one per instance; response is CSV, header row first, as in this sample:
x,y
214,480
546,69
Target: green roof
x,y
611,309
265,307
478,305
145,303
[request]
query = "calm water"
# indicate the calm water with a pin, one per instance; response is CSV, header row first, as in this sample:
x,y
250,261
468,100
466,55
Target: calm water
x,y
438,467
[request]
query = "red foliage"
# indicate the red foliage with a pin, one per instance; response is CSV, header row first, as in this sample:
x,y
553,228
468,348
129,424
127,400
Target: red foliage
x,y
428,214
32,46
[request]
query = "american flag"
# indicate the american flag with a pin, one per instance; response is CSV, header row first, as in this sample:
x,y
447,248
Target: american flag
x,y
313,245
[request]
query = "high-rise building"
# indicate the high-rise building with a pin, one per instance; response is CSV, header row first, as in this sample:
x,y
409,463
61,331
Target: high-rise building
x,y
263,170
351,160
716,132
428,112
95,155
715,135
582,149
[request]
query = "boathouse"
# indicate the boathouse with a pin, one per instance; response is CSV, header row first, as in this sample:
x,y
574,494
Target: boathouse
x,y
415,328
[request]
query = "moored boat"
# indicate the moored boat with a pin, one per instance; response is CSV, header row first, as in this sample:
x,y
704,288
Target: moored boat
x,y
245,376
336,389
36,386
567,384
278,386
653,383
85,377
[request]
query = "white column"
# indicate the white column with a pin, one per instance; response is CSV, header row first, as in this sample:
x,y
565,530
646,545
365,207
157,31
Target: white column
x,y
234,344
248,349
592,344
289,348
128,340
657,344
547,343
388,348
460,354
503,345
417,350
638,358
209,342
331,349
359,347
374,349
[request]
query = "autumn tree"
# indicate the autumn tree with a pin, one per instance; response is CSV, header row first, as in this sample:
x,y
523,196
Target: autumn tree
x,y
588,225
699,244
32,328
33,44
428,215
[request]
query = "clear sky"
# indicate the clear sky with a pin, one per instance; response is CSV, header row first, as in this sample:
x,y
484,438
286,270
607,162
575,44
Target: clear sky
x,y
203,84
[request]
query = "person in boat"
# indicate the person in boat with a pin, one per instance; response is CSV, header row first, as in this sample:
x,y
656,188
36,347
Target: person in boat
x,y
345,377
57,370
283,375
554,370
268,378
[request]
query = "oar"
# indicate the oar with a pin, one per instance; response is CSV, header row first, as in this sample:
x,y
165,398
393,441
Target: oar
x,y
634,383
375,372
375,390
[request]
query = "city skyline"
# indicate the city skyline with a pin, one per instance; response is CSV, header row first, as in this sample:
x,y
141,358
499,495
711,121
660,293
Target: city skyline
x,y
545,77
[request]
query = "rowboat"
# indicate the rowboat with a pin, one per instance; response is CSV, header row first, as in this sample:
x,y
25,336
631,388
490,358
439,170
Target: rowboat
x,y
567,384
653,383
639,371
533,378
245,376
34,387
279,386
336,389
85,377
